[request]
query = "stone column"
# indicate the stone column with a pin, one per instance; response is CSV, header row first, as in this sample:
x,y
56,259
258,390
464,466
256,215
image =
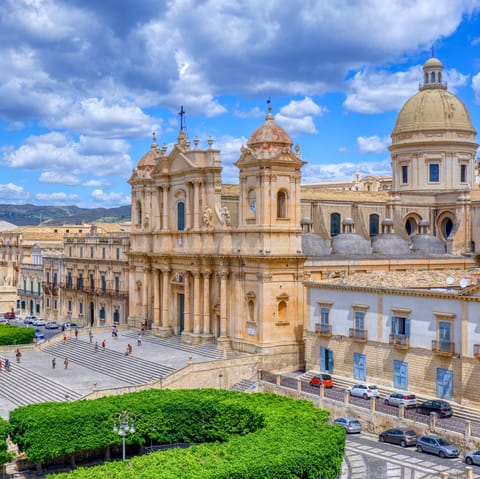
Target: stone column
x,y
196,204
207,328
223,340
187,321
165,296
164,207
156,298
196,303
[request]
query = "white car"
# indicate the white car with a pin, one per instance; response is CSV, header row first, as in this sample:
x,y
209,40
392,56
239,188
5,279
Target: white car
x,y
365,391
38,322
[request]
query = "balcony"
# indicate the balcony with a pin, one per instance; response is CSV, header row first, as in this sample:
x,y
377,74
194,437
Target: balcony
x,y
476,350
400,341
359,335
443,348
323,329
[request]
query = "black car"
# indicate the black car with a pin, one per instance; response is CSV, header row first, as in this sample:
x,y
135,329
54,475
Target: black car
x,y
403,437
437,406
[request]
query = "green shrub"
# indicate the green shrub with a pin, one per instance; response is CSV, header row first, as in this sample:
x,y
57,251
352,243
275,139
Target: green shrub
x,y
4,433
242,435
10,334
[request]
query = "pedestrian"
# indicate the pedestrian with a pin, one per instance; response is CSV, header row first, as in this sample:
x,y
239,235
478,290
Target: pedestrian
x,y
90,336
18,355
103,344
65,362
76,333
64,339
1,364
114,332
96,346
139,339
7,365
54,363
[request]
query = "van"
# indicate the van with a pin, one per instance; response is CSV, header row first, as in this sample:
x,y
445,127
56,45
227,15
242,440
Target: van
x,y
38,337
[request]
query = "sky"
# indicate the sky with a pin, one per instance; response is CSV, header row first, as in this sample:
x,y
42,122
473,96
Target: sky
x,y
84,84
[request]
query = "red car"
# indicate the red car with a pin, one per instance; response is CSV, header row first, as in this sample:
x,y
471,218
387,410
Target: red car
x,y
9,315
322,379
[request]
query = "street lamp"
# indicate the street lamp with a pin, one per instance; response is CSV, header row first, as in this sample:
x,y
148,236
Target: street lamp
x,y
123,423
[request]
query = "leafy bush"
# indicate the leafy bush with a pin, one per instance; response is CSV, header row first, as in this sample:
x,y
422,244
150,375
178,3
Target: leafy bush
x,y
4,432
242,435
10,334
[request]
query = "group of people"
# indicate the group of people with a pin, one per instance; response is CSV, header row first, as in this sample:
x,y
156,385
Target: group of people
x,y
66,362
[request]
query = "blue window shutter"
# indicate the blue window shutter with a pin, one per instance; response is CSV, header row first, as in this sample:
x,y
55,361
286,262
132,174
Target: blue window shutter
x,y
322,358
407,327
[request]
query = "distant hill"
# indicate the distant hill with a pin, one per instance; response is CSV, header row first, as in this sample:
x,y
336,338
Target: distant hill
x,y
33,215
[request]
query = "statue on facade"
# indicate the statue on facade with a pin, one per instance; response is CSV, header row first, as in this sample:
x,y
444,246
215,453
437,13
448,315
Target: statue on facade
x,y
207,217
225,214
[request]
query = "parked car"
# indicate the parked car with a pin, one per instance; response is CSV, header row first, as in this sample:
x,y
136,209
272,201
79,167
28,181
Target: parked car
x,y
437,406
9,315
397,399
365,391
322,379
402,436
38,322
66,326
437,445
38,337
29,319
349,423
52,325
472,457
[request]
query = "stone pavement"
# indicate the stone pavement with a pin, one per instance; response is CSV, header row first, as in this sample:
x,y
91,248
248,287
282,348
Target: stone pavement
x,y
34,379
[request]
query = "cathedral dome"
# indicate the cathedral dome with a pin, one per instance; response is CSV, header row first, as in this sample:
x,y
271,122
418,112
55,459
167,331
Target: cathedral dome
x,y
433,107
390,244
351,244
269,136
149,159
314,245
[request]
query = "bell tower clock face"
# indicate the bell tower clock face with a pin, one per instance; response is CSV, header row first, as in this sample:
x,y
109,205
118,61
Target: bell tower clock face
x,y
253,205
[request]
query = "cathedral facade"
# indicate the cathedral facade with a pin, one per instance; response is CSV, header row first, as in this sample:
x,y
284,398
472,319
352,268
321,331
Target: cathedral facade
x,y
231,263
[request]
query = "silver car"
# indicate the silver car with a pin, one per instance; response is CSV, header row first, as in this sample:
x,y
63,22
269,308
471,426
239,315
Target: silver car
x,y
349,423
401,399
437,445
365,391
472,457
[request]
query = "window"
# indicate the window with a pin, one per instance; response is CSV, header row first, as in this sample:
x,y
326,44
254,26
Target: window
x,y
374,225
252,203
104,283
282,204
411,226
117,284
404,174
463,173
434,172
48,277
104,253
433,77
334,224
81,252
92,282
80,282
69,306
31,287
359,366
25,285
91,252
55,279
139,212
444,335
70,251
48,303
117,253
69,280
400,326
447,227
39,288
180,216
359,320
80,308
55,304
102,313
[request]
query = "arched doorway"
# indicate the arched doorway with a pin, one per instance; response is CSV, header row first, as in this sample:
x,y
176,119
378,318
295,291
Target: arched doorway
x,y
92,314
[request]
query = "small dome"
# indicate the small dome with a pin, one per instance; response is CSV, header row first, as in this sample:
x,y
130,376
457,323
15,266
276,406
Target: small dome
x,y
427,244
390,244
269,136
149,159
351,244
432,62
314,245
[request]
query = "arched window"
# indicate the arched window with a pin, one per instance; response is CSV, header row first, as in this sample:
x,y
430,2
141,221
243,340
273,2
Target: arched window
x,y
426,77
439,77
282,311
334,224
374,225
282,204
180,216
447,227
411,226
139,212
252,203
433,77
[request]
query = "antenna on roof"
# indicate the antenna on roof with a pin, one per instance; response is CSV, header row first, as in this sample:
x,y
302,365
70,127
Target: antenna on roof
x,y
433,51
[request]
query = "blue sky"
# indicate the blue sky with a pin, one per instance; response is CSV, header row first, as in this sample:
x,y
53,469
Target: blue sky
x,y
84,83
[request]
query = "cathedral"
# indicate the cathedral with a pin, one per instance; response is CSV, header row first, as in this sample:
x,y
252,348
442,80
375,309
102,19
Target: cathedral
x,y
237,264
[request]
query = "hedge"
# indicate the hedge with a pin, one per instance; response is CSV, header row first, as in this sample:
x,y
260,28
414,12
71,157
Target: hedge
x,y
4,433
10,334
242,435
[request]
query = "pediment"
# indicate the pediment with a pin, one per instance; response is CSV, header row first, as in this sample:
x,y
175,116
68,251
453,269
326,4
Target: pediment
x,y
175,163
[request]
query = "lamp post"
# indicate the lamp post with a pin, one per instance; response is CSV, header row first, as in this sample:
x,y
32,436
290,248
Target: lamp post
x,y
123,424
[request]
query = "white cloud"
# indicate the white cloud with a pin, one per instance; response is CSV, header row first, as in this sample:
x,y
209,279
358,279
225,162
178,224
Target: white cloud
x,y
297,116
55,177
10,192
57,198
344,171
373,144
110,199
476,87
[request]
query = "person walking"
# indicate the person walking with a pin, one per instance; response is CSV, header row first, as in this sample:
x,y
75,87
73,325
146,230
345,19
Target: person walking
x,y
139,339
76,333
64,339
54,363
65,362
1,364
7,365
103,344
18,355
90,336
96,346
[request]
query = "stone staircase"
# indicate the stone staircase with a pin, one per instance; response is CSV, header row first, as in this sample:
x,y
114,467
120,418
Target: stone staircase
x,y
245,385
128,369
209,350
22,386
